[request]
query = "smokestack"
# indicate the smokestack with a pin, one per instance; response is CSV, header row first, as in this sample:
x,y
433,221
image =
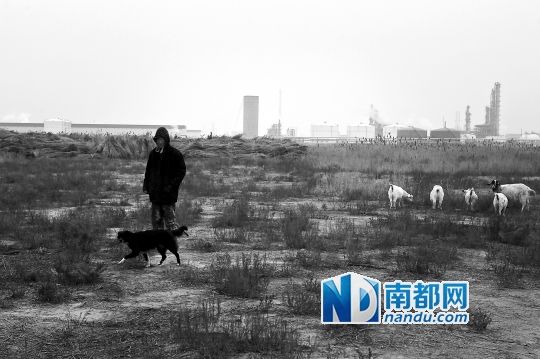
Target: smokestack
x,y
468,119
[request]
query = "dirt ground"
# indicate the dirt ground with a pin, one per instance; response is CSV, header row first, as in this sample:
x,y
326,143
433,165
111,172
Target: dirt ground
x,y
122,315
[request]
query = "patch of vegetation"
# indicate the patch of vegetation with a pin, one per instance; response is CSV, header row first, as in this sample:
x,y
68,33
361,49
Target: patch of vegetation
x,y
234,215
479,319
246,276
433,259
205,330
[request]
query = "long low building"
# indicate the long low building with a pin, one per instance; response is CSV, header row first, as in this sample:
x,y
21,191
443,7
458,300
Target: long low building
x,y
62,126
324,130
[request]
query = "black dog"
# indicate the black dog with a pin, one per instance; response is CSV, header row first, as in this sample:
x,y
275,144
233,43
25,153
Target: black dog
x,y
144,241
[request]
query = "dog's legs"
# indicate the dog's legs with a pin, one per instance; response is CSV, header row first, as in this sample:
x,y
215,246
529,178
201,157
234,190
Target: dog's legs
x,y
131,255
162,251
145,255
177,257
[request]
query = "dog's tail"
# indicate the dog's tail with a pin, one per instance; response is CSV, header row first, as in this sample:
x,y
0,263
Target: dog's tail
x,y
179,231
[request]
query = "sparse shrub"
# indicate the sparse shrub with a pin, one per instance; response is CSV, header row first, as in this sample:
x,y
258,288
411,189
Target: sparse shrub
x,y
188,211
359,333
265,303
293,224
203,245
77,270
35,270
354,248
17,292
300,300
198,183
207,331
309,259
6,303
235,215
114,217
269,233
431,259
479,319
233,235
508,275
50,292
362,207
246,276
72,324
189,275
251,186
341,231
286,269
308,210
282,191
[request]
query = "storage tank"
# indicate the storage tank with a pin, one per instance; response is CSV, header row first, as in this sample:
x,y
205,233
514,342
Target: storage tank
x,y
412,132
446,132
399,131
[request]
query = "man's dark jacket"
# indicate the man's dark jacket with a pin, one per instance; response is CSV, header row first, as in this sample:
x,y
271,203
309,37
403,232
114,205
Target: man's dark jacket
x,y
164,172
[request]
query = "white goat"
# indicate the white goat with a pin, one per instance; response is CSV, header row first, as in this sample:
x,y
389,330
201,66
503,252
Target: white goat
x,y
396,195
436,196
470,198
515,192
499,203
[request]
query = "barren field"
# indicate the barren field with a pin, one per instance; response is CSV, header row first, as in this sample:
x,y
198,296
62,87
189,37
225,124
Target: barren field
x,y
264,228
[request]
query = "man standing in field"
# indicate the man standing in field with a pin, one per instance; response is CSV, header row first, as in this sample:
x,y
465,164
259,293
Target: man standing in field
x,y
164,173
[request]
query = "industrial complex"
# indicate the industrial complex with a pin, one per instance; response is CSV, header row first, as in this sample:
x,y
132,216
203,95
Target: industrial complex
x,y
56,125
374,128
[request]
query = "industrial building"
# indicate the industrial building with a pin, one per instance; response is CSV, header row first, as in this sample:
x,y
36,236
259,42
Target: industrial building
x,y
251,116
56,125
530,137
446,132
402,131
363,130
492,117
22,127
291,132
274,130
64,126
324,130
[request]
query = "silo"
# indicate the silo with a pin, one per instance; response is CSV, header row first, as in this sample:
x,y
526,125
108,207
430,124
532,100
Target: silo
x,y
251,116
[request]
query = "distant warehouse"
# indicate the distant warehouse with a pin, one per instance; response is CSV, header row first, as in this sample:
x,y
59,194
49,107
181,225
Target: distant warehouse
x,y
64,126
402,131
119,129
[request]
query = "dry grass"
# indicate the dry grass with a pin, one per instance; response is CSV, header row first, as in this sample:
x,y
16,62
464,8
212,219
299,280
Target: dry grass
x,y
56,259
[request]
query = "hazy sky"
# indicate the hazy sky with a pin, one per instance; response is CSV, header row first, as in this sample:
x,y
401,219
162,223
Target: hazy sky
x,y
191,62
